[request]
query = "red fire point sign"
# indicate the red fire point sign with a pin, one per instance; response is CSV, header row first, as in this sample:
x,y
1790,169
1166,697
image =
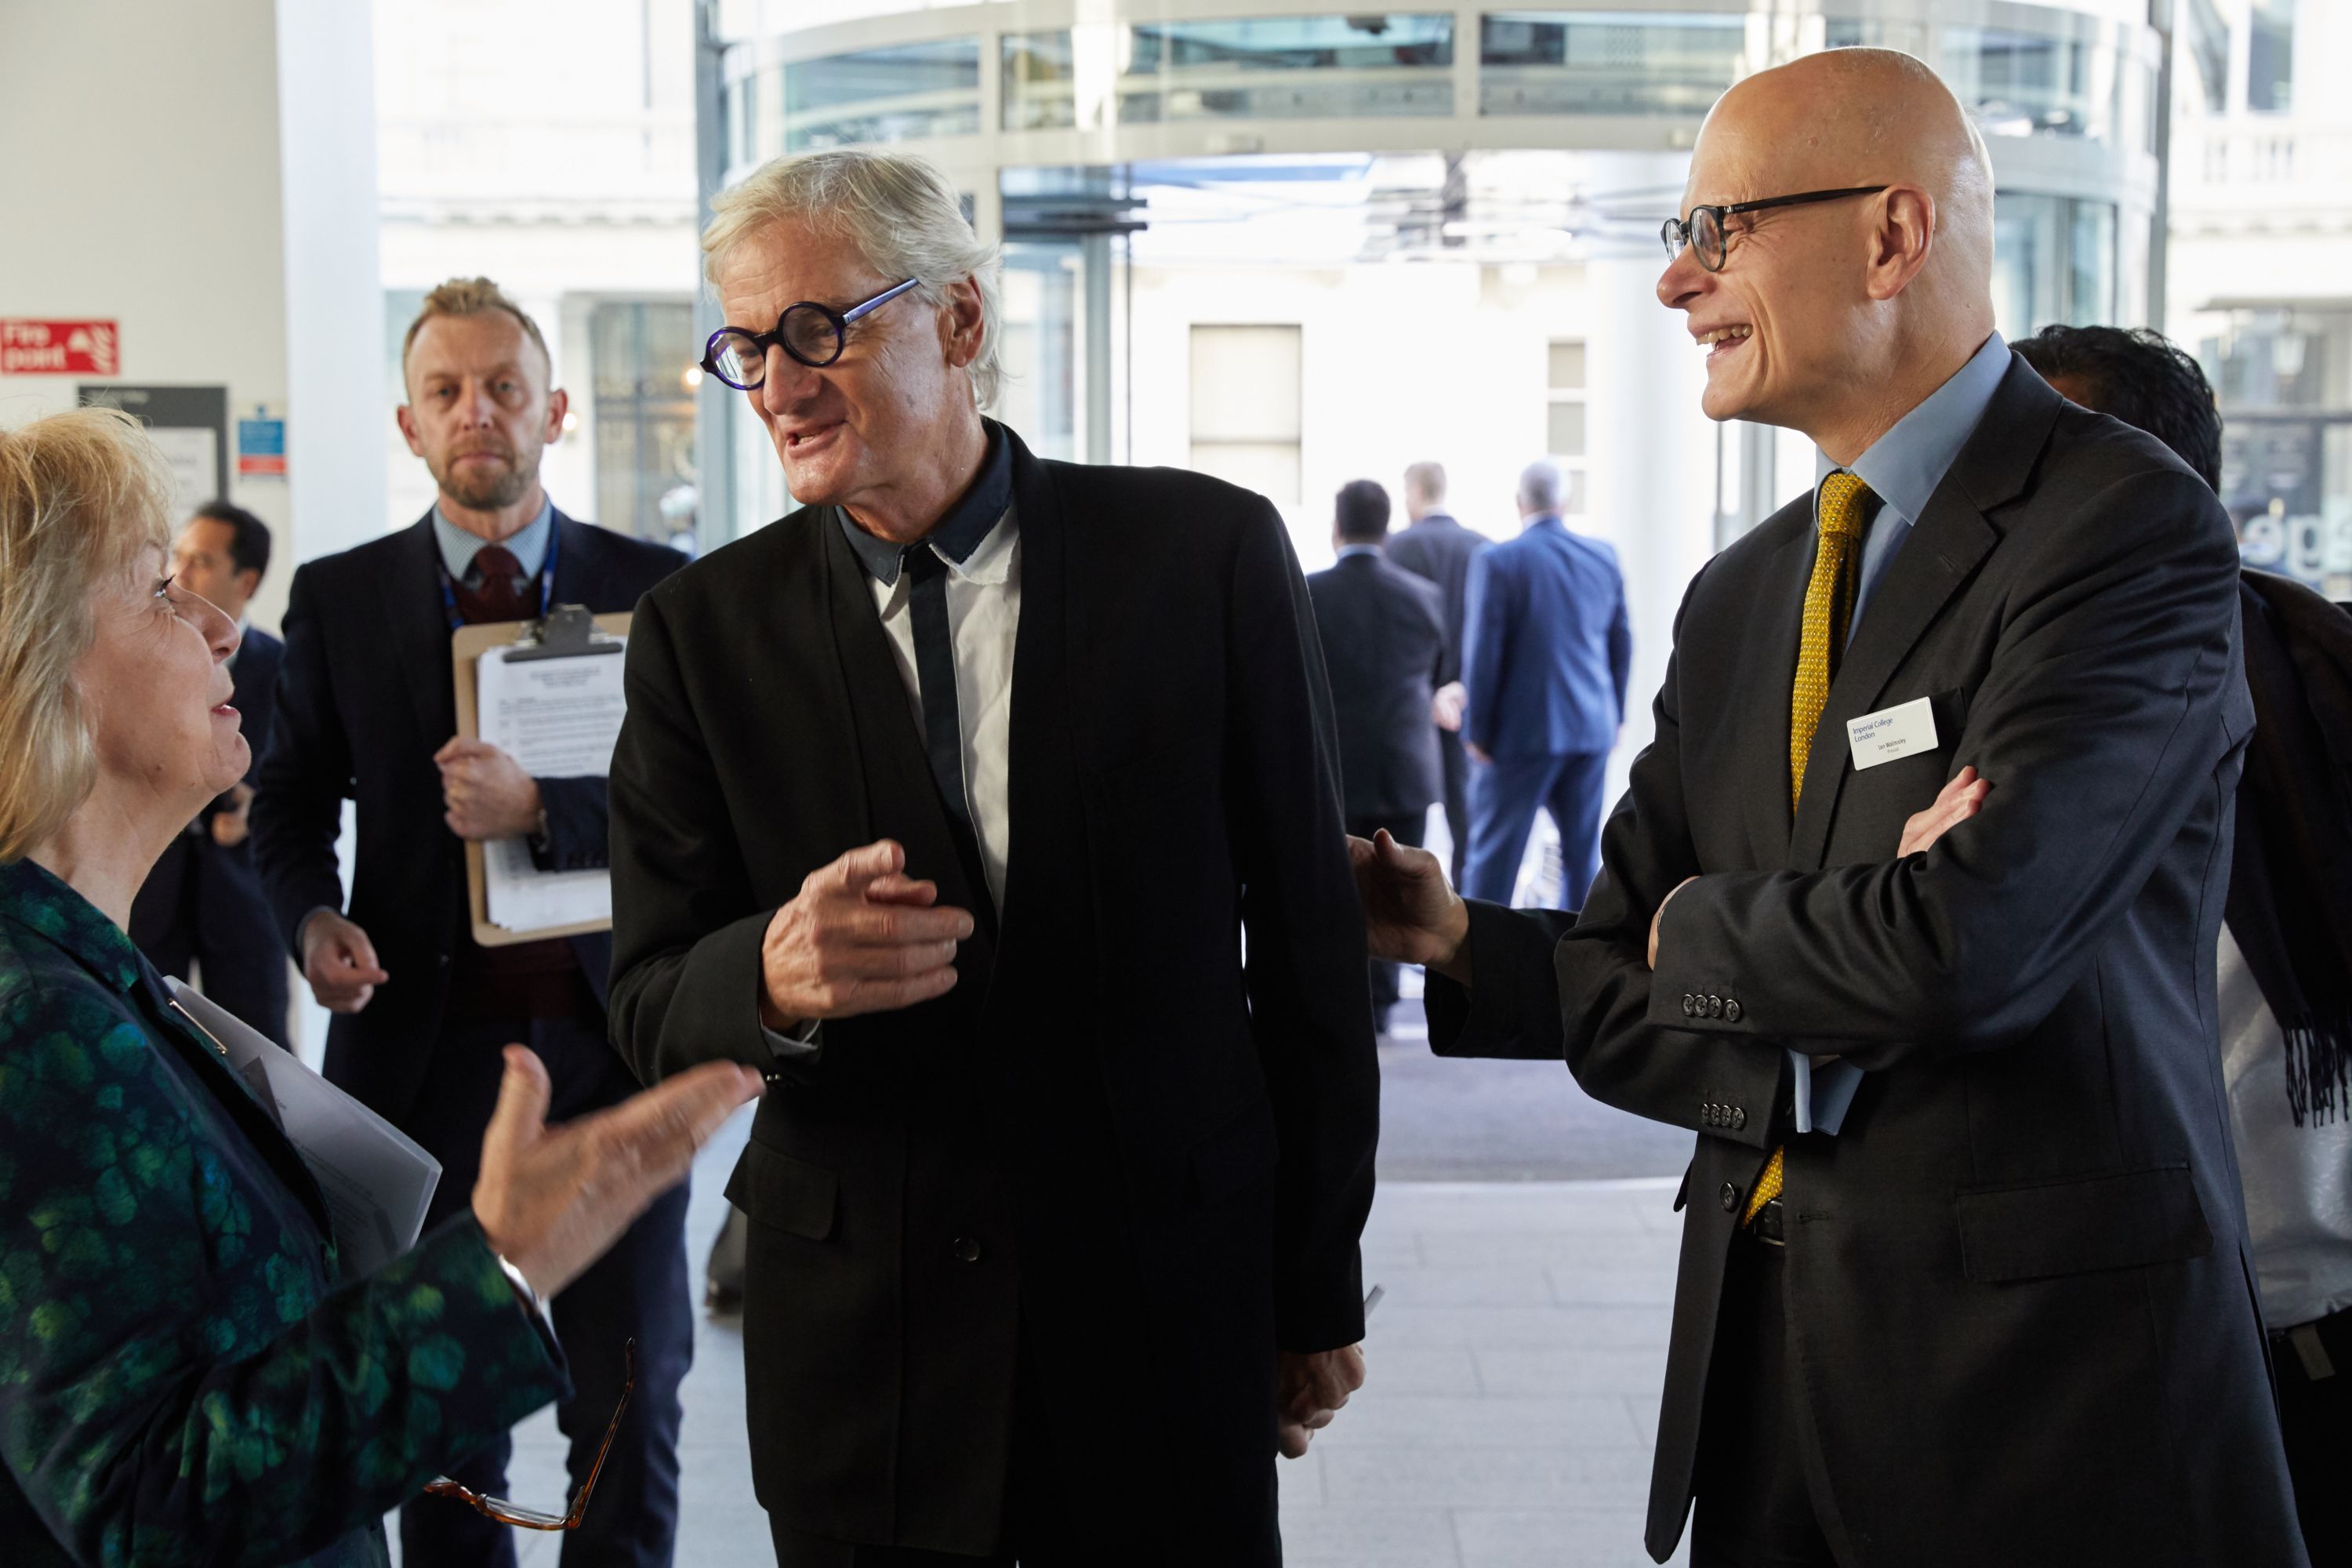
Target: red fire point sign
x,y
60,348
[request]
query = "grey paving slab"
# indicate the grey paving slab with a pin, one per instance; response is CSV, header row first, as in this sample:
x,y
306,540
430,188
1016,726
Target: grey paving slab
x,y
1485,1477
1553,1538
1520,1371
1385,1418
1369,1537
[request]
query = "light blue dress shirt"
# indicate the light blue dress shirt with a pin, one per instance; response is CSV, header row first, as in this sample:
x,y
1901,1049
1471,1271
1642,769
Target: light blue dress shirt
x,y
458,547
1348,549
1903,468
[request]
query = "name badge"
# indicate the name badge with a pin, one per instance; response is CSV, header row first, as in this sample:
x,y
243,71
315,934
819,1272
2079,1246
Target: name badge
x,y
1892,733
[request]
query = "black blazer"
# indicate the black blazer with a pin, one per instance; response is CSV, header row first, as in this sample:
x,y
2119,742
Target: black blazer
x,y
1440,550
1110,1140
2020,1322
252,674
366,698
1383,635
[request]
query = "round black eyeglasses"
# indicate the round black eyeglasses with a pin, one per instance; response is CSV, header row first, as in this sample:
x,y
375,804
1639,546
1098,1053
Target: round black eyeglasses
x,y
1704,228
809,332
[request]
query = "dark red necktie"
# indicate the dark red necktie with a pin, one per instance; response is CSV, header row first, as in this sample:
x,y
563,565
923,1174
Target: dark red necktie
x,y
496,588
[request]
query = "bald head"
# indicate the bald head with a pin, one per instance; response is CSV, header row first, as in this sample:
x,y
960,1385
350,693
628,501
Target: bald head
x,y
1821,308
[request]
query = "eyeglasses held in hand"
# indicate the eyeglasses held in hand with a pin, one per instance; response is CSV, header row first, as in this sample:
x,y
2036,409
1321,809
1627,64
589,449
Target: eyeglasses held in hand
x,y
1704,229
809,332
504,1513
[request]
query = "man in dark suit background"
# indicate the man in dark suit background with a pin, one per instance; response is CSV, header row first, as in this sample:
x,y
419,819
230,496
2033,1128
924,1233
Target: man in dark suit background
x,y
1383,637
1546,651
1435,546
1910,911
942,800
367,711
200,914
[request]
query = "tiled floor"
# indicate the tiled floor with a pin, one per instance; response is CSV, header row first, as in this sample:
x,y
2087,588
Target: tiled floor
x,y
1515,1367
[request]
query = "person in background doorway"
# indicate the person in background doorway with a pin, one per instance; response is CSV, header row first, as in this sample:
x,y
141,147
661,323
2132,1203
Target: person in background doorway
x,y
200,914
1385,648
1546,651
2285,969
367,709
1433,545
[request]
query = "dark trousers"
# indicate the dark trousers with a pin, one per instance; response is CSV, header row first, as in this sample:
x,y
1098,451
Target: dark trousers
x,y
1457,799
635,1291
1504,796
1754,1510
2316,1419
201,916
1409,830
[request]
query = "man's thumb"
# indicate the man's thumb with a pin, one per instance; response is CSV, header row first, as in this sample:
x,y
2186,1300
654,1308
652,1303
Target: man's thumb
x,y
522,1103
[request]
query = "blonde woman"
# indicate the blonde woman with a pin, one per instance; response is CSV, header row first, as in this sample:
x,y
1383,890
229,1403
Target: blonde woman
x,y
186,1374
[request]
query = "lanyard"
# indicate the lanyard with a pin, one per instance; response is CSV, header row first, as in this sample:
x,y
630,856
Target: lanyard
x,y
546,580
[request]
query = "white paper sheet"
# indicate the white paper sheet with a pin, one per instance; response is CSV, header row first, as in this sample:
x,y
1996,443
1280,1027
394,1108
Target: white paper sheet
x,y
376,1180
559,718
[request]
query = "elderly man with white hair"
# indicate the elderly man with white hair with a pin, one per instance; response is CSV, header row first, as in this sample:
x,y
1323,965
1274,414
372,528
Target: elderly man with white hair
x,y
945,801
1547,650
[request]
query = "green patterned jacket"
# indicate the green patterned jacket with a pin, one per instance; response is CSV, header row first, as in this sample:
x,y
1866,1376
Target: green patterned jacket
x,y
184,1378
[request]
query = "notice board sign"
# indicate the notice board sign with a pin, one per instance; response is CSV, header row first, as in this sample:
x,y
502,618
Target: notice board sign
x,y
60,348
260,447
190,424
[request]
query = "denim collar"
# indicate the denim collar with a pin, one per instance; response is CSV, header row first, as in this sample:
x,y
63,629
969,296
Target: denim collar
x,y
959,531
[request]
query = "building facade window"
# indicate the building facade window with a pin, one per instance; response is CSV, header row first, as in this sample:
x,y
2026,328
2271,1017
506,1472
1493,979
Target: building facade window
x,y
908,92
645,376
1564,426
2270,55
1247,408
1289,67
2053,261
1600,62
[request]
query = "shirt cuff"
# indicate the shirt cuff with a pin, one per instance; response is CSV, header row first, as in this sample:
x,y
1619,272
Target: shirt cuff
x,y
1820,1095
801,1043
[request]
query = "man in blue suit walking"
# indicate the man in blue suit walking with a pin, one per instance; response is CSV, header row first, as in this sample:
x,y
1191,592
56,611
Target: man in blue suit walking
x,y
1546,653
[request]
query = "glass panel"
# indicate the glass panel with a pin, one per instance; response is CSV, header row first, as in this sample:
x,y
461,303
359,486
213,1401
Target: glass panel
x,y
2091,264
1565,430
2205,37
1554,62
897,94
1290,68
1040,83
1040,393
2025,242
1566,367
643,354
2032,84
2270,55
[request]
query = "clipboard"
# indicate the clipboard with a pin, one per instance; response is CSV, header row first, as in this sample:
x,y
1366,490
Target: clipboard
x,y
569,631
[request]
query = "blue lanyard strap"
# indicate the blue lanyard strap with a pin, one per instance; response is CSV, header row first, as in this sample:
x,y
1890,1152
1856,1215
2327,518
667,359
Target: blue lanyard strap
x,y
546,580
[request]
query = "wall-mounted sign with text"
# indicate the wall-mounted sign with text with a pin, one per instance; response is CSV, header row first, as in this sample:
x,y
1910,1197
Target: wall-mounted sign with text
x,y
60,348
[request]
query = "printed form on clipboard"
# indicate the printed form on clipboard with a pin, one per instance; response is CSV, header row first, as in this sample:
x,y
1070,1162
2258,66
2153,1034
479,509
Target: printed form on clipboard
x,y
553,702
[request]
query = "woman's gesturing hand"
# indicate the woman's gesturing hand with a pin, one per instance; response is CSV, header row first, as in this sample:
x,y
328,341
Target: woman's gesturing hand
x,y
551,1199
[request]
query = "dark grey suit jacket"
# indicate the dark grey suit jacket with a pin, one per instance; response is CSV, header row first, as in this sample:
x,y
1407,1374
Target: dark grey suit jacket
x,y
2018,1296
1383,635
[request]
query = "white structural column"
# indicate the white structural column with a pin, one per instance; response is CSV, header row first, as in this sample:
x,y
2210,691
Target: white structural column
x,y
1653,452
334,277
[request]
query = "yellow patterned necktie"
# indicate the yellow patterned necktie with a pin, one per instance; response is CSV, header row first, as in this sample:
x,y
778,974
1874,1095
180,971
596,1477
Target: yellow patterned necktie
x,y
1829,608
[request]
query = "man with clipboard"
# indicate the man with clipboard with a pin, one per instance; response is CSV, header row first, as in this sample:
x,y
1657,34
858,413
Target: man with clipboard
x,y
367,710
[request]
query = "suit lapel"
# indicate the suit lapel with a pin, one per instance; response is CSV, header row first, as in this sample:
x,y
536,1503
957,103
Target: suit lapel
x,y
903,801
1041,765
1946,544
416,627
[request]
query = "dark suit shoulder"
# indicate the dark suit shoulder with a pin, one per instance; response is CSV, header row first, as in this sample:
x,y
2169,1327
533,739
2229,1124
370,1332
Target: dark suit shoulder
x,y
634,564
364,563
1105,495
261,645
748,567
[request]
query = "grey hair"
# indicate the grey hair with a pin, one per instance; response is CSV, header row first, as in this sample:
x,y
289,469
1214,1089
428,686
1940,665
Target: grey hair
x,y
902,213
1540,485
1424,481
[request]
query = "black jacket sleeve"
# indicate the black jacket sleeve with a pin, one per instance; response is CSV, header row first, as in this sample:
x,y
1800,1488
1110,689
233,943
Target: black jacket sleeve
x,y
305,772
686,931
577,838
1618,1055
2098,727
1311,1011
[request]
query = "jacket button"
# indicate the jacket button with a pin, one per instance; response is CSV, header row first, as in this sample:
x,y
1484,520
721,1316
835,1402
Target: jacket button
x,y
1714,1006
1738,1118
1729,1197
1706,1114
1690,1003
967,1250
1731,1010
